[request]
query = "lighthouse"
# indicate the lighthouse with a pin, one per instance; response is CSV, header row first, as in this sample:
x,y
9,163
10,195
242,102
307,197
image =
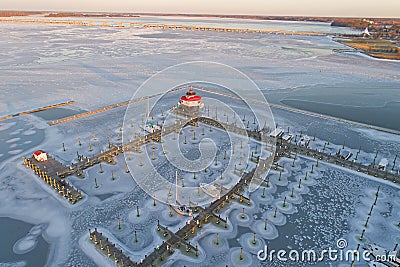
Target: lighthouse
x,y
190,103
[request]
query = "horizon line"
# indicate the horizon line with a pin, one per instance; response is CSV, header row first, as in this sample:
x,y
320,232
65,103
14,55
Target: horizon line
x,y
249,16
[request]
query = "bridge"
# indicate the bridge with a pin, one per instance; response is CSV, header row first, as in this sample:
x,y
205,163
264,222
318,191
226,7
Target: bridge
x,y
158,26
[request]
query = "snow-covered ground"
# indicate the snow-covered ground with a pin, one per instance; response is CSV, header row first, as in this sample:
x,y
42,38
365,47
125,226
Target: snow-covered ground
x,y
44,64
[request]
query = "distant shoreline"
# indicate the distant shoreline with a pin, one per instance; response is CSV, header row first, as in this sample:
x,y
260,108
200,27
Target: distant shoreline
x,y
354,22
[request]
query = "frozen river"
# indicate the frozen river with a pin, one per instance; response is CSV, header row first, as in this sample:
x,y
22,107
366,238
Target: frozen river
x,y
57,63
45,64
273,25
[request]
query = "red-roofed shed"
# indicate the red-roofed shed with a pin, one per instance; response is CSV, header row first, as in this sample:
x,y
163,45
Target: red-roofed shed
x,y
40,155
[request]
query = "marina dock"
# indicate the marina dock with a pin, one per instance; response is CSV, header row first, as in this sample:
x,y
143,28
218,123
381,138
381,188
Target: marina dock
x,y
304,112
180,237
288,149
202,217
205,215
284,148
54,173
47,171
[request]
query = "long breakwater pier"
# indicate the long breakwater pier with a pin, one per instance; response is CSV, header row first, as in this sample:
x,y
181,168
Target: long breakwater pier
x,y
106,108
146,25
62,104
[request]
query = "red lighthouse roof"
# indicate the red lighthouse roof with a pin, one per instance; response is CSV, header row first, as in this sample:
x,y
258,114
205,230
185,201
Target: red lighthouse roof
x,y
191,96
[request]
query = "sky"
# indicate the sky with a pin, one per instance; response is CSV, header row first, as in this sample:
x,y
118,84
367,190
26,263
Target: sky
x,y
344,8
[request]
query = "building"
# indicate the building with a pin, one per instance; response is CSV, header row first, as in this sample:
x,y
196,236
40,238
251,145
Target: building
x,y
383,164
190,103
40,155
278,132
150,127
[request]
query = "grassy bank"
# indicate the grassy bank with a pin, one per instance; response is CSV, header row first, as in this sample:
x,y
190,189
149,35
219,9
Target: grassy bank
x,y
377,48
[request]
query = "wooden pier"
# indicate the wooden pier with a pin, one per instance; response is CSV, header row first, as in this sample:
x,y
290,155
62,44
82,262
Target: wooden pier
x,y
134,145
47,170
288,149
189,230
284,149
60,171
110,249
53,173
37,110
204,215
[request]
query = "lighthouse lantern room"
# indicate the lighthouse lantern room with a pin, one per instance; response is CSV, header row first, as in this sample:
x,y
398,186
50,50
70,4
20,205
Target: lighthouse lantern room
x,y
190,103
